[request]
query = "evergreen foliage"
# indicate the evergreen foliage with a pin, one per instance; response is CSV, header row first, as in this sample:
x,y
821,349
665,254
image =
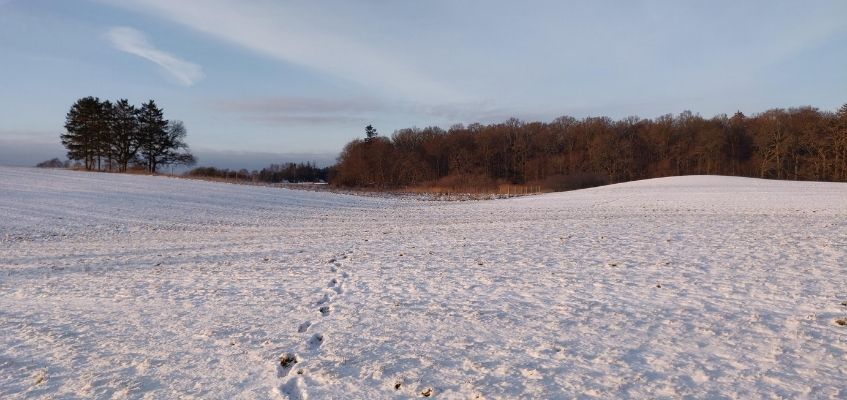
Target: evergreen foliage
x,y
107,136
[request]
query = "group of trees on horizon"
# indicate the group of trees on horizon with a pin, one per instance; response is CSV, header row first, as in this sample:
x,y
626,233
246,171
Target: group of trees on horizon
x,y
275,173
801,143
106,136
54,163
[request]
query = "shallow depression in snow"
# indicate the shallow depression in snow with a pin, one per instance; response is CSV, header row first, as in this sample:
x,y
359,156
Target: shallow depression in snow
x,y
129,286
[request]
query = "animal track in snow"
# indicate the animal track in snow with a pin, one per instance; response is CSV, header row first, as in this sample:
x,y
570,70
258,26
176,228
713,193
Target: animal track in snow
x,y
326,299
316,340
294,389
286,363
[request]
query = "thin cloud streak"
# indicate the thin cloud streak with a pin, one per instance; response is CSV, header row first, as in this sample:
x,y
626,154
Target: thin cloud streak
x,y
296,104
293,110
135,42
292,120
288,33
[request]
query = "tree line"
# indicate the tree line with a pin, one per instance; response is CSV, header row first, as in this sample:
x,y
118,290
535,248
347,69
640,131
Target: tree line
x,y
275,173
54,163
107,136
801,143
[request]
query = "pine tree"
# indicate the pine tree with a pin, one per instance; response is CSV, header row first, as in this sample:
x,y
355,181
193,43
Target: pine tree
x,y
155,141
370,133
85,127
105,116
125,138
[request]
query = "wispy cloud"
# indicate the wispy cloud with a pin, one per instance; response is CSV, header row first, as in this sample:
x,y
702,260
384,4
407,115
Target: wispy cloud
x,y
294,110
296,34
301,120
135,42
295,104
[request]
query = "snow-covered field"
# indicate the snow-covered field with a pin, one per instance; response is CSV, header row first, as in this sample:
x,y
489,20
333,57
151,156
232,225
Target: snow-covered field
x,y
117,286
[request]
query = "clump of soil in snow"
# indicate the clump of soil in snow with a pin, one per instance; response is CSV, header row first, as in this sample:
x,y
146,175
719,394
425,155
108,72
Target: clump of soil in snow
x,y
287,360
39,377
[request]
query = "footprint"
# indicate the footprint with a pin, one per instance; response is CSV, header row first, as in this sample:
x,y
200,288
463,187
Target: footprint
x,y
324,310
325,299
286,363
304,326
316,340
294,389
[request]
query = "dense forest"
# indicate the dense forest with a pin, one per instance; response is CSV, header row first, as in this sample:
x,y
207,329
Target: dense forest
x,y
275,173
798,143
107,136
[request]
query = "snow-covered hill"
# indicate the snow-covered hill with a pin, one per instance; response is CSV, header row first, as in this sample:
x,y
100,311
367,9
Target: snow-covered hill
x,y
148,287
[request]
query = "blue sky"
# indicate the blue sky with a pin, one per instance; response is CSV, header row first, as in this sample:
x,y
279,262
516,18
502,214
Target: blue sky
x,y
259,80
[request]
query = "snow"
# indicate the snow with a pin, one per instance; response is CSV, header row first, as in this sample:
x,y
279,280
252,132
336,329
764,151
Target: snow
x,y
118,286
